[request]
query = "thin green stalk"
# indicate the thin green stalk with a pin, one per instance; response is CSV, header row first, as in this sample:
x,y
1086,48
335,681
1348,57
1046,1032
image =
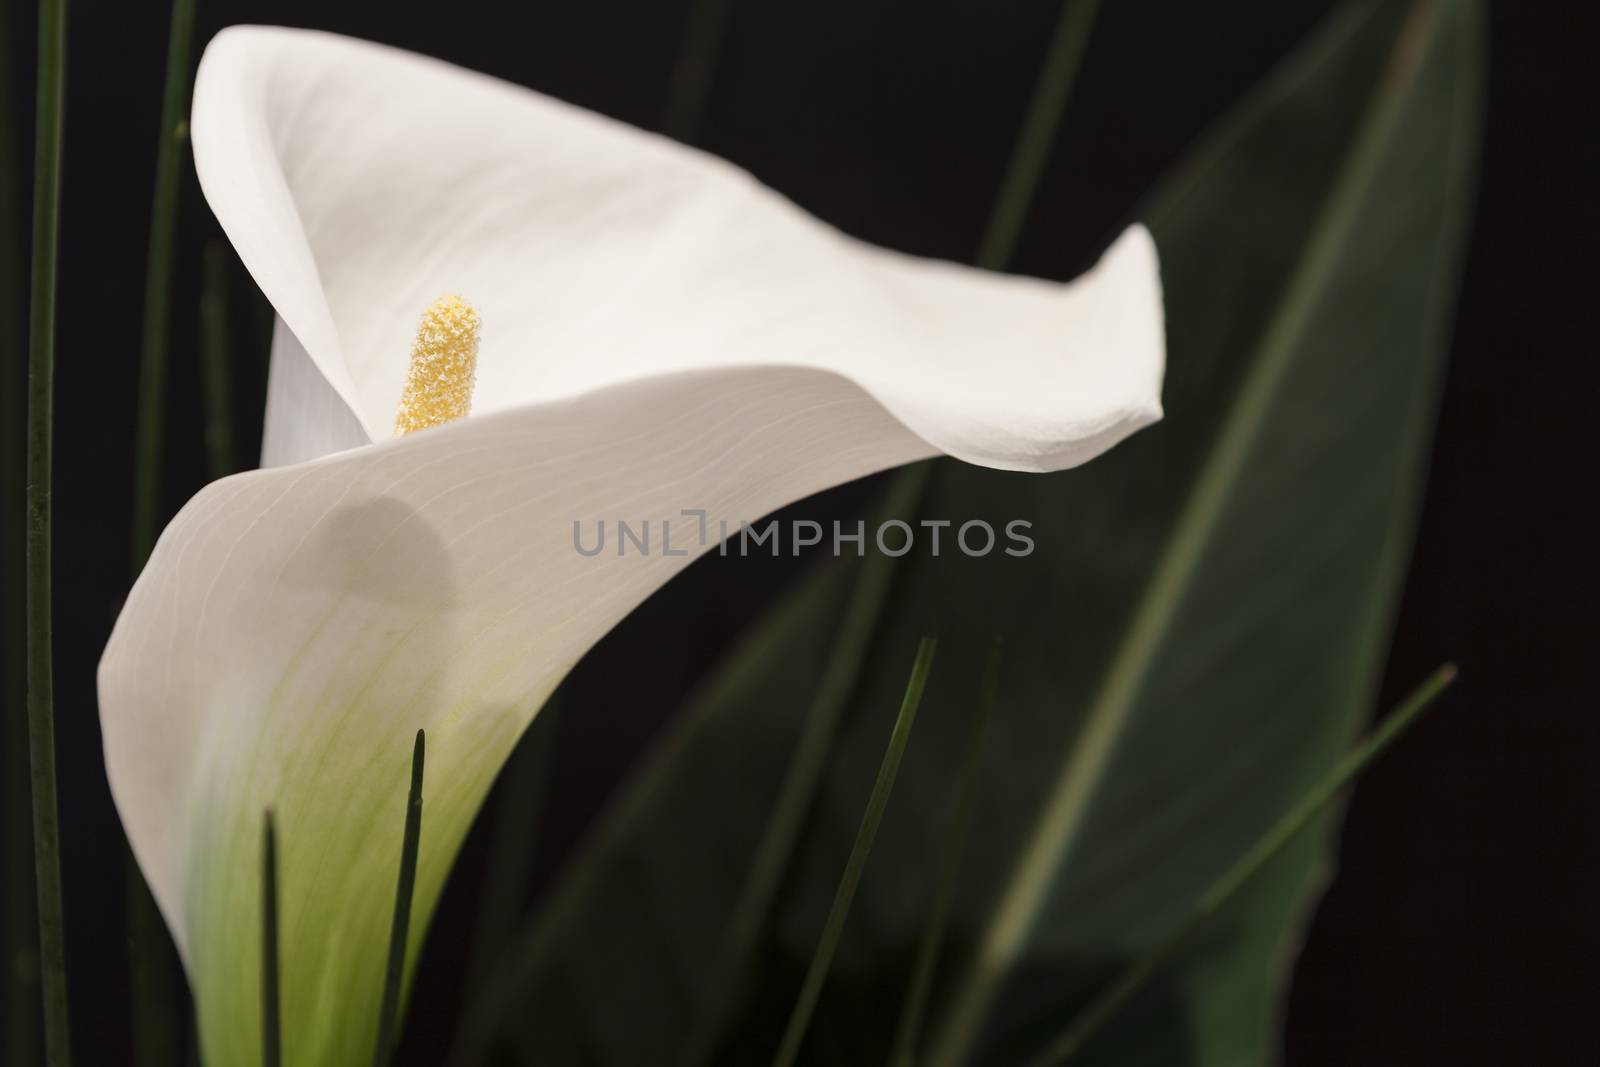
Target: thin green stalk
x,y
1038,134
271,1026
1236,877
903,1053
20,962
216,370
150,412
511,852
394,975
839,679
154,979
41,400
690,86
856,865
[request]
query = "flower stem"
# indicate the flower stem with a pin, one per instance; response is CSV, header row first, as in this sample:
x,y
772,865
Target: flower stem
x,y
903,1053
1223,890
271,1027
856,865
1038,134
388,1014
41,388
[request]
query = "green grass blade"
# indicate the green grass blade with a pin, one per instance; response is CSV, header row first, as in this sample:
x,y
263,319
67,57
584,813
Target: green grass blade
x,y
394,975
903,1052
41,409
1295,820
856,865
1038,134
271,1026
800,780
21,958
216,370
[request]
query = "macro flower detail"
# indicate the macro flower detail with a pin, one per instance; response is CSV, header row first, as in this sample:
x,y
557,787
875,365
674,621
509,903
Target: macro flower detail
x,y
444,366
659,332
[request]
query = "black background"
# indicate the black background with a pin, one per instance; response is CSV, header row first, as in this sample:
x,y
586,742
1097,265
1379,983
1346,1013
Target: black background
x,y
1462,928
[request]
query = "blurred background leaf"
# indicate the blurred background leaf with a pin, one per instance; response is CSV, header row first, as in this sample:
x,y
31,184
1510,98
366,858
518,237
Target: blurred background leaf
x,y
1194,642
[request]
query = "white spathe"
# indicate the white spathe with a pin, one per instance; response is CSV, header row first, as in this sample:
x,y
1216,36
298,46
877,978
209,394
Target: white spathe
x,y
660,332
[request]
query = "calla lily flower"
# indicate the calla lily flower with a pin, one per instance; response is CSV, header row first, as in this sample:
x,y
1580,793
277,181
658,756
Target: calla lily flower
x,y
655,332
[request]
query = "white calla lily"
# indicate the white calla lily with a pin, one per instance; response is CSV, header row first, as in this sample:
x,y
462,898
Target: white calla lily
x,y
659,332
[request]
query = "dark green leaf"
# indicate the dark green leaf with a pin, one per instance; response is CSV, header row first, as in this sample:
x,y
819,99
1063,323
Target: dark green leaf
x,y
1191,647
